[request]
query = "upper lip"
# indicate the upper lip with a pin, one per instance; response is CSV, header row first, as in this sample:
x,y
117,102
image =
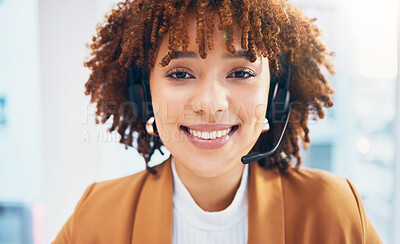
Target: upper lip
x,y
209,127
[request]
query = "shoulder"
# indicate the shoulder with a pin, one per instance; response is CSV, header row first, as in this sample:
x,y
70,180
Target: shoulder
x,y
107,205
327,203
101,198
117,186
324,190
312,180
112,191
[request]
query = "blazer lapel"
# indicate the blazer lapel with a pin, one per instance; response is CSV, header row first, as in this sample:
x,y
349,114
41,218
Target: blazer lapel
x,y
266,213
153,218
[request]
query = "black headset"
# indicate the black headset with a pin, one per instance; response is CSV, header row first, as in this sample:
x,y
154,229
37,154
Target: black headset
x,y
278,109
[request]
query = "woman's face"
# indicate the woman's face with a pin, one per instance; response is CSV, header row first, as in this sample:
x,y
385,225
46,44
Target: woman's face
x,y
222,92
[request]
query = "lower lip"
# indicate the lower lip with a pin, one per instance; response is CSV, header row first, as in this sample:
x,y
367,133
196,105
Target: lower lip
x,y
210,143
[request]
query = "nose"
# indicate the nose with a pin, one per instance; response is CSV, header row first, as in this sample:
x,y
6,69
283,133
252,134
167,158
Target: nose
x,y
210,98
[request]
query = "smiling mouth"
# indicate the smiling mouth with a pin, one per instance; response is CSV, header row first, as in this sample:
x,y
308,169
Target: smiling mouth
x,y
210,135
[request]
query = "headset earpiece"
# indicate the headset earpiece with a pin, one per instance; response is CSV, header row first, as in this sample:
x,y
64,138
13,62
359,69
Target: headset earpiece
x,y
279,96
139,93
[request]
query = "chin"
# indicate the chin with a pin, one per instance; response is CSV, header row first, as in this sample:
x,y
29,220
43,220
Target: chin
x,y
210,168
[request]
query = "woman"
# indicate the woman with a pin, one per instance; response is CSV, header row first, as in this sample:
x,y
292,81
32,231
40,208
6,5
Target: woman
x,y
202,78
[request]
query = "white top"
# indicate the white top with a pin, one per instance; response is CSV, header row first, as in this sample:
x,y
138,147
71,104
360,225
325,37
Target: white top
x,y
193,225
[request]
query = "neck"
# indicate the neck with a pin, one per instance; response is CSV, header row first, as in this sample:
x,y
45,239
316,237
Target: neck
x,y
211,193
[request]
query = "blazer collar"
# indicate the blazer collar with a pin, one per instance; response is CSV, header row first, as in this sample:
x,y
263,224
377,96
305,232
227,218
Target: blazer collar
x,y
154,214
266,215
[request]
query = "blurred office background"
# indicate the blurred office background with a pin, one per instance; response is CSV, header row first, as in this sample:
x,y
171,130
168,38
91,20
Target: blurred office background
x,y
51,149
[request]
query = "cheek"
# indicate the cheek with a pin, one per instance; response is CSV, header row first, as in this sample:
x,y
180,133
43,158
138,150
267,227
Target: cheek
x,y
252,106
168,109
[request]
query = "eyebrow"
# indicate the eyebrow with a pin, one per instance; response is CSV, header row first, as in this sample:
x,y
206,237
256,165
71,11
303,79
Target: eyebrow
x,y
238,54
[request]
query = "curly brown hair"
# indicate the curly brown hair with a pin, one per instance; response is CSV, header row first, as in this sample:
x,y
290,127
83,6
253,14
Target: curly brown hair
x,y
132,34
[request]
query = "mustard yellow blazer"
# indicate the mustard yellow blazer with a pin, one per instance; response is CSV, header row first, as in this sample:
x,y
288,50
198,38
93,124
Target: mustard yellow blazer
x,y
303,207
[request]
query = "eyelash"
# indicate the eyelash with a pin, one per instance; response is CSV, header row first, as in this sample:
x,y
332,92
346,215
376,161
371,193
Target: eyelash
x,y
172,72
175,71
247,71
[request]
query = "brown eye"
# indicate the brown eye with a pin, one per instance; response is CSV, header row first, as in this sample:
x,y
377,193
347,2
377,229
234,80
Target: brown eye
x,y
242,73
179,74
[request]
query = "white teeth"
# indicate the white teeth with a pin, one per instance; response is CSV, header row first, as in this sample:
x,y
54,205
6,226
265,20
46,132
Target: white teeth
x,y
209,135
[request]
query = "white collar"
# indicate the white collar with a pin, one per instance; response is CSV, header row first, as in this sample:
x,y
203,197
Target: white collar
x,y
235,213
